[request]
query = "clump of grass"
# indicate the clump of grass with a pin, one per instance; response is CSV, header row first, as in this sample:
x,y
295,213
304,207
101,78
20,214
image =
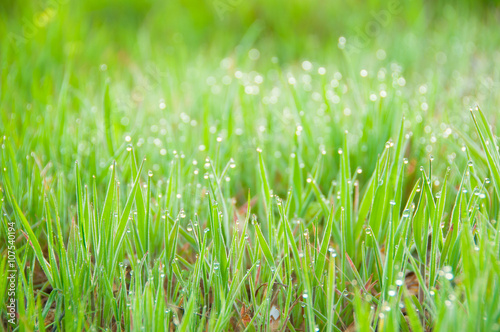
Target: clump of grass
x,y
384,254
216,187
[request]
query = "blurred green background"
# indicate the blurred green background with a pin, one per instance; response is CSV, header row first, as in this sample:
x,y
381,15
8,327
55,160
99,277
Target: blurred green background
x,y
183,73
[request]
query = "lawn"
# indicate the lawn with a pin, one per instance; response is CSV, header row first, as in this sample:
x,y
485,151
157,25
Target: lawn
x,y
222,165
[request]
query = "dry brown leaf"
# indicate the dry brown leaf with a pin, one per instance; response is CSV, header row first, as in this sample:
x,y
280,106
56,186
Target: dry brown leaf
x,y
245,314
412,283
49,319
351,328
274,317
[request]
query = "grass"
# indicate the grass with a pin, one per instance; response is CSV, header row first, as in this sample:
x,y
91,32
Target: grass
x,y
215,167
